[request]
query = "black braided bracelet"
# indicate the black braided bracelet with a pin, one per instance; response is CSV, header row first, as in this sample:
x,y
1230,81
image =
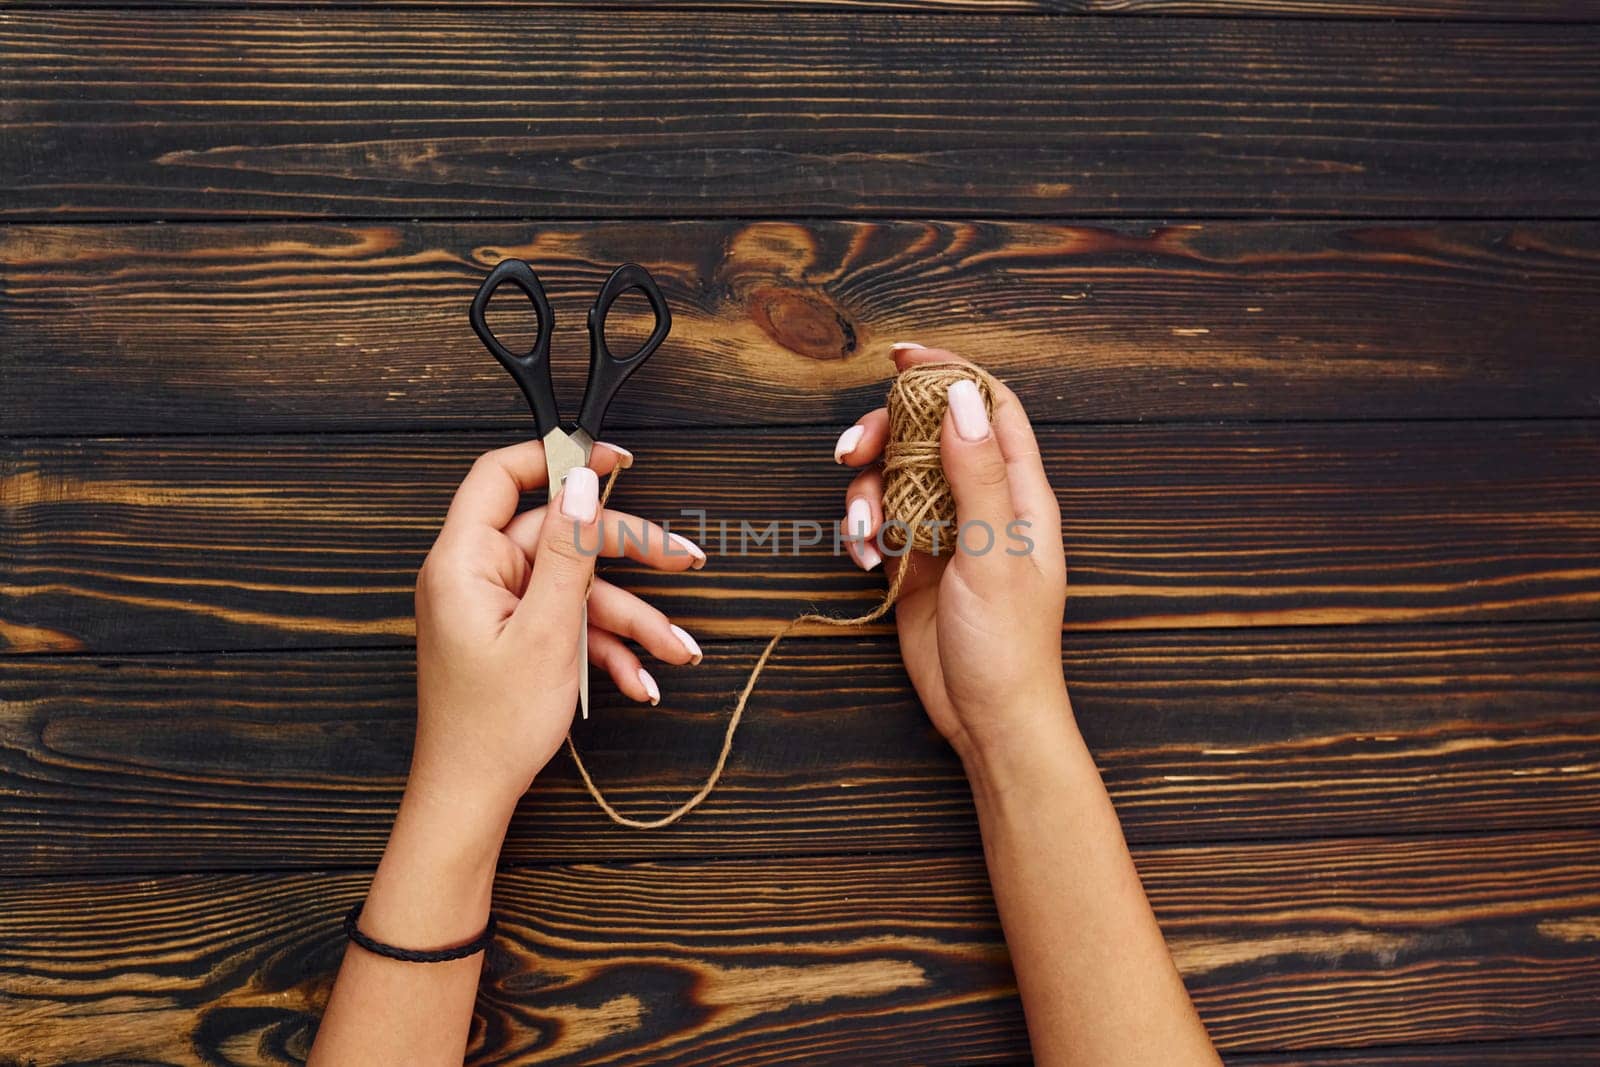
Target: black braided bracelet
x,y
411,955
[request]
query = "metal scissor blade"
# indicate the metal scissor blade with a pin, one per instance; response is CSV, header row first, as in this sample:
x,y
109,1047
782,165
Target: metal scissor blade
x,y
561,454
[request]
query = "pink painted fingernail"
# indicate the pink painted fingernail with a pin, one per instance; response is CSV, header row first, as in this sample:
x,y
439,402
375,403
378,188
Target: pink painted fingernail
x,y
848,442
689,643
650,686
966,406
690,547
865,553
580,494
624,457
858,517
900,346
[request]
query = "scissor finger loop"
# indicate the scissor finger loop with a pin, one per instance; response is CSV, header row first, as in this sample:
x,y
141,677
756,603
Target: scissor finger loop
x,y
607,370
531,369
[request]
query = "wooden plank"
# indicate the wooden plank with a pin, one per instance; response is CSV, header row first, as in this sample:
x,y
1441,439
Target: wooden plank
x,y
1556,1052
230,328
1484,937
213,543
1492,10
169,114
282,761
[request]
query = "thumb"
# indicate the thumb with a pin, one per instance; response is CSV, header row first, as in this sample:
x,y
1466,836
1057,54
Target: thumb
x,y
975,467
569,543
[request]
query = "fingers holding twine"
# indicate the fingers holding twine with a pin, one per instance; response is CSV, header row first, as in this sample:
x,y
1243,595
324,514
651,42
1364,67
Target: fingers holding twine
x,y
916,499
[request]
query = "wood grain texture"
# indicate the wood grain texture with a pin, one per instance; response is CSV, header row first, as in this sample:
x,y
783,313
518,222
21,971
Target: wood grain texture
x,y
282,761
1557,1052
168,114
1493,10
181,829
291,327
1485,937
214,543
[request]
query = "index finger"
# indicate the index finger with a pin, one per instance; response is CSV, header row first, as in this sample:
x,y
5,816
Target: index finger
x,y
489,494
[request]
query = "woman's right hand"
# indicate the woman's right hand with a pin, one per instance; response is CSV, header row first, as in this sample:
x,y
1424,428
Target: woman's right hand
x,y
980,631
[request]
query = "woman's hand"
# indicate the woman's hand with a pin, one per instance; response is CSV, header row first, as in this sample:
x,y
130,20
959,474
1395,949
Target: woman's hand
x,y
499,600
980,634
980,631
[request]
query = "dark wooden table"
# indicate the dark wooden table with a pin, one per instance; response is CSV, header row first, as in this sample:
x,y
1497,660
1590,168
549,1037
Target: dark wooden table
x,y
1305,295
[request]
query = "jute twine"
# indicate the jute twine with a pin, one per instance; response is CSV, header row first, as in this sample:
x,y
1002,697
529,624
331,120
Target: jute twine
x,y
916,498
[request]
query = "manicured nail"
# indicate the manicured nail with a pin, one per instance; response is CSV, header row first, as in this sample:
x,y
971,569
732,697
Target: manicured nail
x,y
580,494
900,346
865,553
690,547
858,517
650,686
688,643
847,442
624,457
972,421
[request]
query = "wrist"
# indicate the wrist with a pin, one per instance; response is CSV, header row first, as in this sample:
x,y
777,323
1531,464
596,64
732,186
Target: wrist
x,y
470,786
460,831
1028,746
434,883
471,803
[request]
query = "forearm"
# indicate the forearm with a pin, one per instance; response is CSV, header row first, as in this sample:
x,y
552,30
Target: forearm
x,y
1098,984
431,890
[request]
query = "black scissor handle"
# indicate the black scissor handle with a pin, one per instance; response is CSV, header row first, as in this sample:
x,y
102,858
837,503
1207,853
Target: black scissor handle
x,y
530,369
606,371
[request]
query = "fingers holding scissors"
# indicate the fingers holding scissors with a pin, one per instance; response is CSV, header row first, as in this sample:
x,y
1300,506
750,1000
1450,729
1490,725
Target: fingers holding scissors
x,y
473,569
558,584
623,613
489,494
612,653
615,614
620,535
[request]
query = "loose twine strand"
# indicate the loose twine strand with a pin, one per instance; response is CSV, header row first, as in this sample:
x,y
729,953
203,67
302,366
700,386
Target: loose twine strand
x,y
916,500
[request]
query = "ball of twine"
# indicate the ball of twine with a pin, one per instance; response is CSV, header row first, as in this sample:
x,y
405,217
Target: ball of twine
x,y
916,496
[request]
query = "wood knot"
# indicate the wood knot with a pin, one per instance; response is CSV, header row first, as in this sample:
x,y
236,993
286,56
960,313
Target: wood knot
x,y
801,322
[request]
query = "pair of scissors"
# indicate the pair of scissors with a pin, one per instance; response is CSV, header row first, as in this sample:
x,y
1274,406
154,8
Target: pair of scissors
x,y
564,449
